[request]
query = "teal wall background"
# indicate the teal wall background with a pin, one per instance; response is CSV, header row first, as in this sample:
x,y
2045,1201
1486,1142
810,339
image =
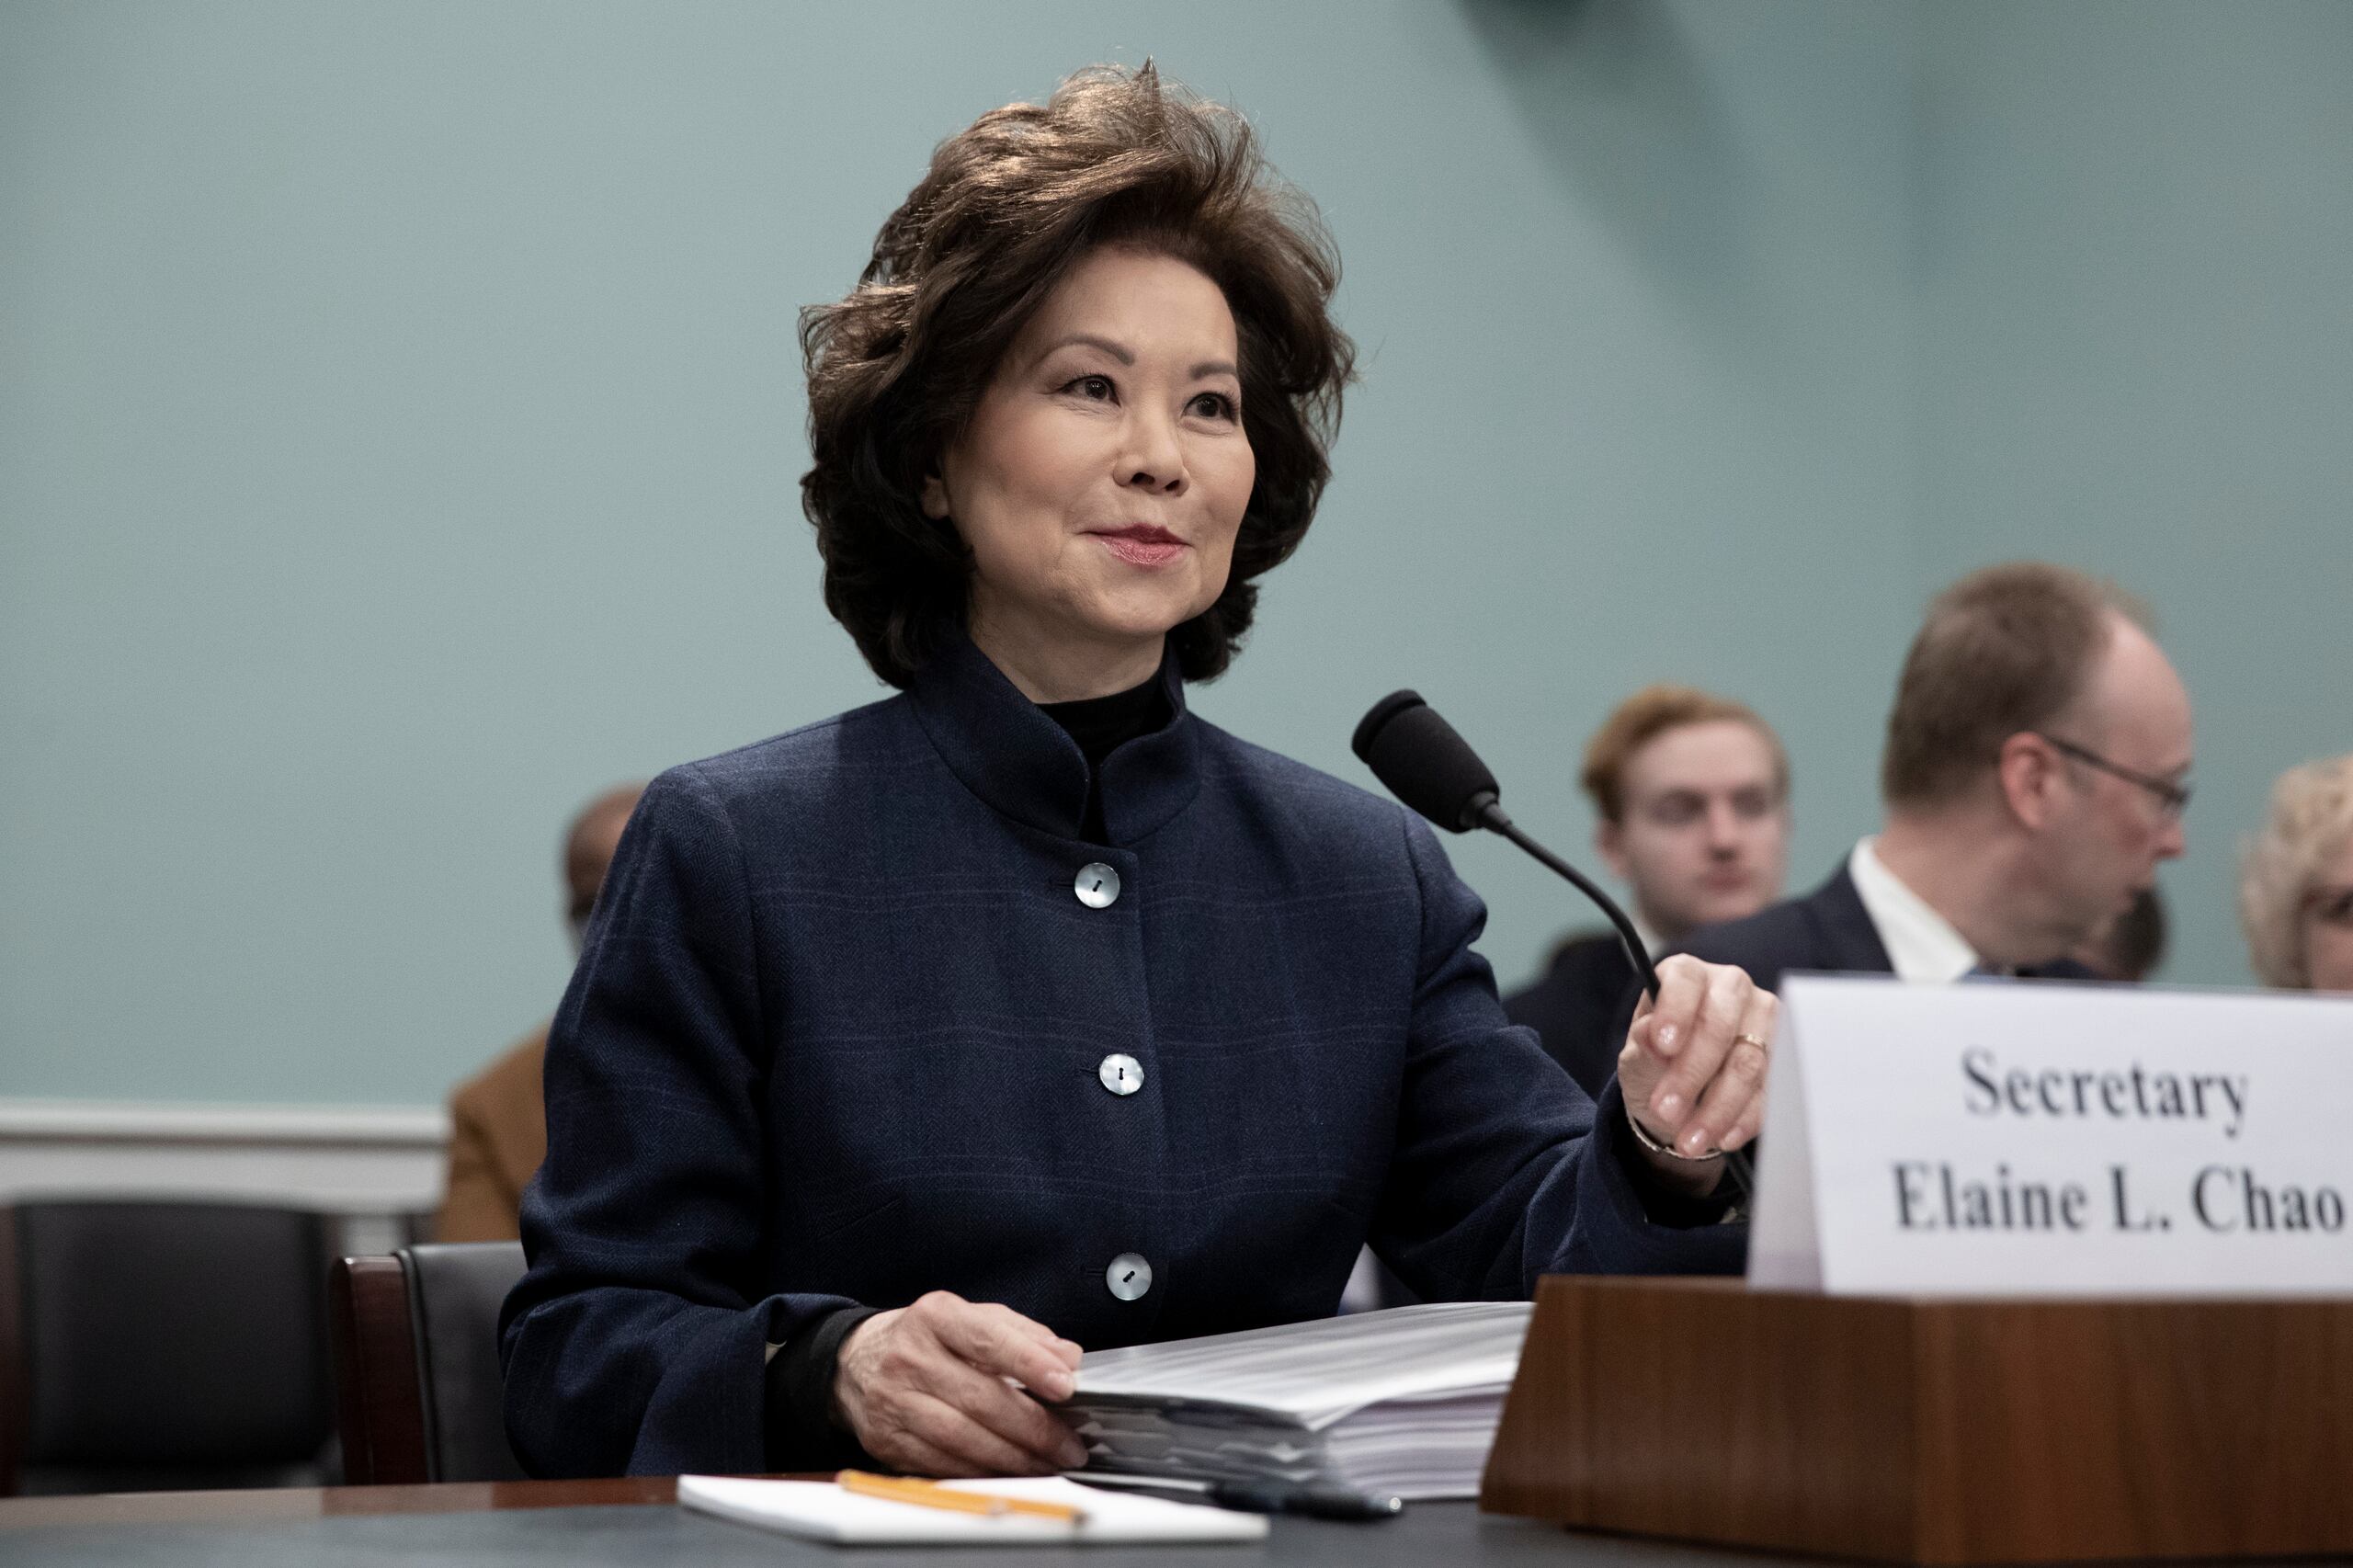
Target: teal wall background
x,y
2135,323
401,422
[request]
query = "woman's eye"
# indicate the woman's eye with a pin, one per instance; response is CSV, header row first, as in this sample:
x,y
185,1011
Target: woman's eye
x,y
1098,388
1217,405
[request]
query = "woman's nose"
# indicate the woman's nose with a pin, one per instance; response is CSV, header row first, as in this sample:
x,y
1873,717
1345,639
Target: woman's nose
x,y
1154,459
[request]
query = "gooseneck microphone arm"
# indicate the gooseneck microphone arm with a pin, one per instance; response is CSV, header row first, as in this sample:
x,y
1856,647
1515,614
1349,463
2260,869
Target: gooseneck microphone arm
x,y
1492,816
1420,759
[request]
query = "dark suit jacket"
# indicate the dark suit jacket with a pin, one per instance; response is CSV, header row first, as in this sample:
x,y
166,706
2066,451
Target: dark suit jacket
x,y
835,1035
1829,930
1575,1009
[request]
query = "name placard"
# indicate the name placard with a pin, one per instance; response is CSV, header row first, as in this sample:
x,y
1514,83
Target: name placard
x,y
2041,1139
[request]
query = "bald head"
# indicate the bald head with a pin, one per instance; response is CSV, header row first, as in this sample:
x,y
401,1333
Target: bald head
x,y
588,848
2126,777
2090,800
2133,707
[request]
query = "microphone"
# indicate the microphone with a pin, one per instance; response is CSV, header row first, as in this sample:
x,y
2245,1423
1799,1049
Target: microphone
x,y
1420,759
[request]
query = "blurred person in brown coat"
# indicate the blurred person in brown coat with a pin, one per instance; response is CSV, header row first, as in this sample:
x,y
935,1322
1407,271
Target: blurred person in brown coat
x,y
498,1129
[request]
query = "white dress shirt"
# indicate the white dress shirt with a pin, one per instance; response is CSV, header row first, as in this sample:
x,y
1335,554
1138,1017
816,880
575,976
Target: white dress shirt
x,y
1920,943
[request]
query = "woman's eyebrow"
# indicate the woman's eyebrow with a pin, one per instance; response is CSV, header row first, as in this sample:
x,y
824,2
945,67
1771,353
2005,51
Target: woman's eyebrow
x,y
1124,355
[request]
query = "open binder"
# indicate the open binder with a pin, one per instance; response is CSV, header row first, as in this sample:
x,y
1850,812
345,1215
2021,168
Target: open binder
x,y
1402,1402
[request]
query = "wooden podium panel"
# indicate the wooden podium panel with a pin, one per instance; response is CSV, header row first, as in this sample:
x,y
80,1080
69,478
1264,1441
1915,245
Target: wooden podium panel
x,y
1933,1429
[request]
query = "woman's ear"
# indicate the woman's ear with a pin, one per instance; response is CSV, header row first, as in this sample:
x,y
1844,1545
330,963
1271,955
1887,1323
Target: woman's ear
x,y
935,497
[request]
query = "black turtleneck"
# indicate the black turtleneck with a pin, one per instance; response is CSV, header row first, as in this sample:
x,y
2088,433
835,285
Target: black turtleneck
x,y
1101,725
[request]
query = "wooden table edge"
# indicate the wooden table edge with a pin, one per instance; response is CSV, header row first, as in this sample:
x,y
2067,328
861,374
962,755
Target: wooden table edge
x,y
337,1502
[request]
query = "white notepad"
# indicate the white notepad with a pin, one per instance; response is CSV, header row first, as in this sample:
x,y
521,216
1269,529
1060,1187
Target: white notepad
x,y
820,1510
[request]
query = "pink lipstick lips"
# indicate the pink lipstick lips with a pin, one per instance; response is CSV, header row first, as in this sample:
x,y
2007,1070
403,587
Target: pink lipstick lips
x,y
1141,544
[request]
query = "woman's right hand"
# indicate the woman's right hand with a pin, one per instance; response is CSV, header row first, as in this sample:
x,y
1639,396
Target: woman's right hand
x,y
924,1389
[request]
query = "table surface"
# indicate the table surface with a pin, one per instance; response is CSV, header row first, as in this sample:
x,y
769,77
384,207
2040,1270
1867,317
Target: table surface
x,y
588,1524
592,1524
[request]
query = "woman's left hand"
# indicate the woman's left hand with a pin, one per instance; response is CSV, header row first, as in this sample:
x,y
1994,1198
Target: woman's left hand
x,y
1693,1067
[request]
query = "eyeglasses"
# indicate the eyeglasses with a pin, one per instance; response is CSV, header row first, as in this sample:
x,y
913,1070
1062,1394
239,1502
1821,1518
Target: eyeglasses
x,y
2172,799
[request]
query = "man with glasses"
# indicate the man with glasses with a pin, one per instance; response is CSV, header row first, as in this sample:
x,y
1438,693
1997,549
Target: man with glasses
x,y
2035,774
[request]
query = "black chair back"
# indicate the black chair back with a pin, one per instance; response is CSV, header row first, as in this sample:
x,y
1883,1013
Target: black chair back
x,y
161,1344
455,1291
420,1393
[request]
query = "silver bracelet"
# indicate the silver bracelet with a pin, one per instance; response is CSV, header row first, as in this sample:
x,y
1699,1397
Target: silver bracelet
x,y
1642,1136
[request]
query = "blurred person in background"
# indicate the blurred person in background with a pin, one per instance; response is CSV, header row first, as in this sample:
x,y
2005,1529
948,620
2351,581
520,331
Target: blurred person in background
x,y
2133,947
2296,881
1692,792
2035,775
498,1129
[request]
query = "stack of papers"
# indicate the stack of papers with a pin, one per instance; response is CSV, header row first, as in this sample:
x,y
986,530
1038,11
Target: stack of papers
x,y
819,1510
1402,1402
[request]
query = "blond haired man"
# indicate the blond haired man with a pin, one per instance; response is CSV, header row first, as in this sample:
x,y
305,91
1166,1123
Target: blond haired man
x,y
1692,792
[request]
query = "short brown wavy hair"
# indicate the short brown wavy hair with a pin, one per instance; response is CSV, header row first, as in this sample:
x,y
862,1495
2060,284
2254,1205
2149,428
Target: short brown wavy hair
x,y
1650,713
1007,209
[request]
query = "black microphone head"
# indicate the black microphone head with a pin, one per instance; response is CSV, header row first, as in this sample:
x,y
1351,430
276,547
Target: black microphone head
x,y
1420,758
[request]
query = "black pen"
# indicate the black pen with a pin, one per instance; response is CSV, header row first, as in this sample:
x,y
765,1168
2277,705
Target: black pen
x,y
1315,1499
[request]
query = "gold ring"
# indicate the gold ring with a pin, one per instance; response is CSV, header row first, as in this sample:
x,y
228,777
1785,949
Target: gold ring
x,y
1748,1039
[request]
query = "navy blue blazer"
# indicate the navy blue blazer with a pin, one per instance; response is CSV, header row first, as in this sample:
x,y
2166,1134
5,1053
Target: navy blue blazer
x,y
834,1038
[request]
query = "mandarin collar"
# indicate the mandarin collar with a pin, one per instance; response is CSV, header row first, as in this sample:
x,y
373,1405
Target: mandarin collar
x,y
1008,752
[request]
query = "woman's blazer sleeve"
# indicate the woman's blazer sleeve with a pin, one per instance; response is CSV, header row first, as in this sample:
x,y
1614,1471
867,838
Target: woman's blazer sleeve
x,y
1504,1171
637,1340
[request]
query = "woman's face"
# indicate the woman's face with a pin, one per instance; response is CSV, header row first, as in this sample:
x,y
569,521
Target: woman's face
x,y
2327,926
1103,477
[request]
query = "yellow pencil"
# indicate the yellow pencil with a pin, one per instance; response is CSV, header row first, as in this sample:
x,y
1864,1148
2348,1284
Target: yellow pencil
x,y
925,1495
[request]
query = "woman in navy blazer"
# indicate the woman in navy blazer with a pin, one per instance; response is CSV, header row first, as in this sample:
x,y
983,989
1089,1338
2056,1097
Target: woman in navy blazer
x,y
911,1051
